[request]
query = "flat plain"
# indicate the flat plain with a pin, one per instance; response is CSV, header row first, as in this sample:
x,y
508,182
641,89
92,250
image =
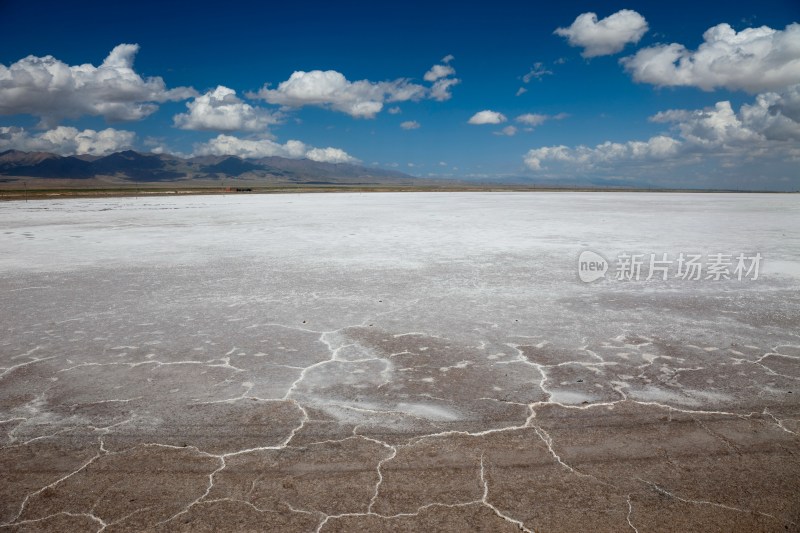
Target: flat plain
x,y
398,362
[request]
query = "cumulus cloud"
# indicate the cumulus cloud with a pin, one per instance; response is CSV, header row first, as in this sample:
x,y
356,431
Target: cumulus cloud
x,y
656,148
330,155
254,148
607,36
508,131
487,117
395,110
409,125
440,75
712,127
775,115
534,158
66,140
52,90
440,91
769,127
159,145
360,99
222,110
439,71
330,89
753,60
772,117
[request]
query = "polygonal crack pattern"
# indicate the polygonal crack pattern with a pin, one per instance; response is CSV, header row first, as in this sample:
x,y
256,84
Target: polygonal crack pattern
x,y
265,395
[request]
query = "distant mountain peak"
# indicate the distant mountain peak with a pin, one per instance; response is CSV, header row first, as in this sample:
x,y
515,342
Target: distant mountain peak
x,y
130,165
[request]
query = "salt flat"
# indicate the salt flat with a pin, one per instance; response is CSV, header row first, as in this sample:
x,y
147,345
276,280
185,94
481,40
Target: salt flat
x,y
398,361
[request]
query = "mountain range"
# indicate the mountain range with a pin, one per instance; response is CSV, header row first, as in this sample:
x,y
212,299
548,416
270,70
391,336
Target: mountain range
x,y
139,168
136,170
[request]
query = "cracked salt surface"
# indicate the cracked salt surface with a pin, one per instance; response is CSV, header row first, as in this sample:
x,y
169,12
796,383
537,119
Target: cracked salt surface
x,y
408,362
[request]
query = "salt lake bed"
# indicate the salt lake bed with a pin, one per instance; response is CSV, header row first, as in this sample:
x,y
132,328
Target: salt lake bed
x,y
401,362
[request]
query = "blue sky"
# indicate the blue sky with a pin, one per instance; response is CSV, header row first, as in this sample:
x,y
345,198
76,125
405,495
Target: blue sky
x,y
588,114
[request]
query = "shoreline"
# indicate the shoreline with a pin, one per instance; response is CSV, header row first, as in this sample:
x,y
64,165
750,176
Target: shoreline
x,y
43,194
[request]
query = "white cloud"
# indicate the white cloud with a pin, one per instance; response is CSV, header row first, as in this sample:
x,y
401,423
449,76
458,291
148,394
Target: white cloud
x,y
753,60
330,89
410,125
439,71
508,131
534,158
536,73
607,36
440,91
255,148
222,110
532,119
442,82
52,90
656,148
536,119
718,126
487,117
159,145
772,118
768,128
776,116
361,99
330,155
66,140
395,110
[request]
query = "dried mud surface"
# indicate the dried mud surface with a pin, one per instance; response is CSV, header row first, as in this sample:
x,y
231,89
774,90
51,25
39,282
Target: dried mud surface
x,y
393,363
